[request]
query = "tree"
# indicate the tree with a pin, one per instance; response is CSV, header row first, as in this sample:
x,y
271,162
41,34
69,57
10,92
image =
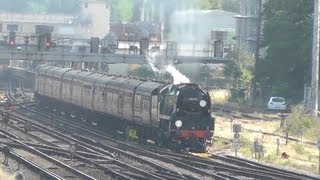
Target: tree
x,y
288,39
227,5
42,7
68,7
121,10
300,122
141,71
204,4
240,70
137,7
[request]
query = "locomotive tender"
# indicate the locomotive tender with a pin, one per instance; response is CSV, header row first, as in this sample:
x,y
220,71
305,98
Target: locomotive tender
x,y
177,116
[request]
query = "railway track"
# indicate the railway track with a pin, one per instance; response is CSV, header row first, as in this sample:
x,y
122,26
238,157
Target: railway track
x,y
235,166
160,172
212,169
218,168
23,94
110,162
59,160
236,114
103,141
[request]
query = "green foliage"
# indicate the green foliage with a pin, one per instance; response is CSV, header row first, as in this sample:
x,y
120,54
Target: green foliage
x,y
204,4
240,70
37,8
270,158
246,144
219,96
68,7
141,71
121,10
219,143
288,39
42,7
299,148
227,5
299,122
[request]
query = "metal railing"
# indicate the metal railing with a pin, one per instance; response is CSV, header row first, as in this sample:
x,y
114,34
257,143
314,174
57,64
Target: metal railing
x,y
6,17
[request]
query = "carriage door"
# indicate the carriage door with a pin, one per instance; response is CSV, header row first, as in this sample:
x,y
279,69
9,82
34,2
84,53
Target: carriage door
x,y
120,107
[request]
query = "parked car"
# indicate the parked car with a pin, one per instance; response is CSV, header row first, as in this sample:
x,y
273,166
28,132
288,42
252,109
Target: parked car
x,y
277,103
3,102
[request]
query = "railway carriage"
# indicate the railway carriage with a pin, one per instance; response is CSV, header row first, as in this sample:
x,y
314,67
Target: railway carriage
x,y
88,92
178,116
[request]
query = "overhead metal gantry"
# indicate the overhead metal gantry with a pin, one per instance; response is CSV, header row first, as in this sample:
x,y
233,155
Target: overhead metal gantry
x,y
31,54
72,57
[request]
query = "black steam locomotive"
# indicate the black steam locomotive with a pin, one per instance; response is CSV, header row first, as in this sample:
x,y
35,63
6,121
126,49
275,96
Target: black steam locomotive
x,y
178,116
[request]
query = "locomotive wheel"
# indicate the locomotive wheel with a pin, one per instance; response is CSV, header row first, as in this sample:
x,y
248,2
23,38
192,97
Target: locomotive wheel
x,y
140,137
176,146
201,146
158,140
126,132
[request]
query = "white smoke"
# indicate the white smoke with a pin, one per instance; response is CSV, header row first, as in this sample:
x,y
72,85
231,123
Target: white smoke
x,y
178,77
151,58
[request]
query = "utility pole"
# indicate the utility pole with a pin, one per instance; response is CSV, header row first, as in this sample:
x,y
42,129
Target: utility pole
x,y
315,60
254,88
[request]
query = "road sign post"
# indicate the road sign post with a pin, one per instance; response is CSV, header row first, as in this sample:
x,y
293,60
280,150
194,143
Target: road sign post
x,y
278,144
236,140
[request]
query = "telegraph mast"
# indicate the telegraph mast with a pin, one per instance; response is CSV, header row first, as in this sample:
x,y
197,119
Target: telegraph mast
x,y
315,60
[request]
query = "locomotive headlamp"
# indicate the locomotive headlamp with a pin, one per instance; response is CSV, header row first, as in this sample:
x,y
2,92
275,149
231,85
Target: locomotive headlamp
x,y
178,123
203,103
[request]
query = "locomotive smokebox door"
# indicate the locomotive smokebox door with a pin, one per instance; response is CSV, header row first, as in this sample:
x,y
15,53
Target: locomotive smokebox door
x,y
237,128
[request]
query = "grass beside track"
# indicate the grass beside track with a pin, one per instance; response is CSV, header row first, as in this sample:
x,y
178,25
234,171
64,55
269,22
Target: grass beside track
x,y
302,156
5,176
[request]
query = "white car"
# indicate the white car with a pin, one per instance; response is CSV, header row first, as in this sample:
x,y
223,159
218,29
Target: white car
x,y
277,103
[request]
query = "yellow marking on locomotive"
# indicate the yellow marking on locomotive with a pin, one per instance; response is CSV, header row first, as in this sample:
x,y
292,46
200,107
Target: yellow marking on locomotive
x,y
132,134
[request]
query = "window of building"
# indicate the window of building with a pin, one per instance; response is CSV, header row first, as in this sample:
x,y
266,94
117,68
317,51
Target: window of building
x,y
12,27
86,5
0,27
107,6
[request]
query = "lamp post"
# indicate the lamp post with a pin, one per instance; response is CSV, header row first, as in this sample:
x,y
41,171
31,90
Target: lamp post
x,y
254,88
315,60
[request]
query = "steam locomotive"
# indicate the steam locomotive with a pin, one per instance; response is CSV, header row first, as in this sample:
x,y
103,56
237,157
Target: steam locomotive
x,y
176,116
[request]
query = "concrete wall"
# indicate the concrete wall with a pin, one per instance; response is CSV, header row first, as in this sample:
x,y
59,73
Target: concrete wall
x,y
99,13
196,25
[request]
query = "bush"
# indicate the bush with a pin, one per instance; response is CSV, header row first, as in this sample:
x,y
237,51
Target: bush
x,y
141,71
300,122
246,144
299,148
219,96
270,158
